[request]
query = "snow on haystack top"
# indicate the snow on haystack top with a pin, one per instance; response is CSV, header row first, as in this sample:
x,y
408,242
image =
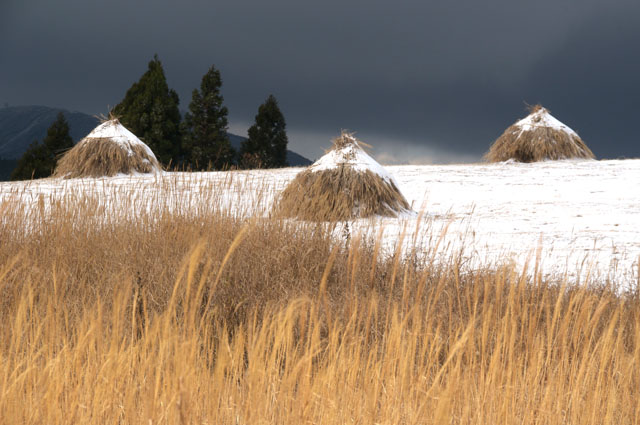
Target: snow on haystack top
x,y
119,134
541,118
348,152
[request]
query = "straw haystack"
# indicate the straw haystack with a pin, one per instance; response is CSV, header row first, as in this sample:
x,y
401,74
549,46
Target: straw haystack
x,y
110,149
345,183
538,137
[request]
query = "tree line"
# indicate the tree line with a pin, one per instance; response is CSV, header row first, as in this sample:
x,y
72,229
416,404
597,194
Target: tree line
x,y
197,142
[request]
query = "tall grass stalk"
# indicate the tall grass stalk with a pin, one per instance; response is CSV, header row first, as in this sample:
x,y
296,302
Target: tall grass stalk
x,y
168,317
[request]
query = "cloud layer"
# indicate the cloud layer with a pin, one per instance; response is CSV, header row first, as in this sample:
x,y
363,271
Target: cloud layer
x,y
437,80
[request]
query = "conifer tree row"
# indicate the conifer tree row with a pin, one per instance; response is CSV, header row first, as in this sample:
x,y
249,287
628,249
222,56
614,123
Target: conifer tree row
x,y
39,160
150,110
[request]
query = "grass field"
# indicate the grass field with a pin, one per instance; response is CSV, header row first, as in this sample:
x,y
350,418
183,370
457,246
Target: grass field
x,y
209,316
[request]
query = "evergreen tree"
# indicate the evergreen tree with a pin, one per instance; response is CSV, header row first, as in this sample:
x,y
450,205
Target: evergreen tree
x,y
150,110
58,139
34,163
205,141
39,160
266,146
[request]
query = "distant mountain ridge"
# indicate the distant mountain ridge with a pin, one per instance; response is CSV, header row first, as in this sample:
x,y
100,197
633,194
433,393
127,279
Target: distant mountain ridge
x,y
22,125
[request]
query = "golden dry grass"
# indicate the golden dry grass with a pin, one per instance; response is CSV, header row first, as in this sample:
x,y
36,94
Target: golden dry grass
x,y
168,318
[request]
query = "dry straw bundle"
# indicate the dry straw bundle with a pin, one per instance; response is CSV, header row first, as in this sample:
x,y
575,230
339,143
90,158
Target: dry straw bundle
x,y
538,137
110,149
345,183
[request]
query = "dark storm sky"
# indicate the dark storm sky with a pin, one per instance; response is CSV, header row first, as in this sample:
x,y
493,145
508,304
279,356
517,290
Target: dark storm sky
x,y
422,81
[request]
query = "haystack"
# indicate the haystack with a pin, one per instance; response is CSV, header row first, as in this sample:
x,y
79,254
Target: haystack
x,y
345,183
110,149
538,137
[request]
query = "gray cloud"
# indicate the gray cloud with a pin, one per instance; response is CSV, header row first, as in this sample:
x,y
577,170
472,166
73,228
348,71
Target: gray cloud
x,y
435,79
593,80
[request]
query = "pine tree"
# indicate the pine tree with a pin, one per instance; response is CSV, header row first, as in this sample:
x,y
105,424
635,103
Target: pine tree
x,y
205,141
39,160
150,110
34,163
58,139
266,146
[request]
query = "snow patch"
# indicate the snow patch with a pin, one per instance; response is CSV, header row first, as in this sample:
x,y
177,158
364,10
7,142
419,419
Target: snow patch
x,y
583,215
353,156
543,119
119,134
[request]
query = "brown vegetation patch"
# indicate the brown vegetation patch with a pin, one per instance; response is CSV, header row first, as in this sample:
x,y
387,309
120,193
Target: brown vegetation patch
x,y
169,318
104,158
339,194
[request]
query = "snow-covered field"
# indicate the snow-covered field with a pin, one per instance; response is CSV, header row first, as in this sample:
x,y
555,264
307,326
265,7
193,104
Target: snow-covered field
x,y
577,217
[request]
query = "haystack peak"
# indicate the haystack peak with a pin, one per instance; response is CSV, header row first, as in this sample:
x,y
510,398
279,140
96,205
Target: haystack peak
x,y
112,129
348,152
345,140
540,117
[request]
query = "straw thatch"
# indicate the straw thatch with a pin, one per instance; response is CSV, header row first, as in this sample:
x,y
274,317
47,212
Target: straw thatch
x,y
346,183
110,149
538,137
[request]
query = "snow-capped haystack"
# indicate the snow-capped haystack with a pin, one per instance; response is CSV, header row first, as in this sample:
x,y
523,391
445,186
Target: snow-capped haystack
x,y
110,149
538,137
345,183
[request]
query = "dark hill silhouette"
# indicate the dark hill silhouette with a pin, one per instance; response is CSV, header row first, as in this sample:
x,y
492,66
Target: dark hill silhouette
x,y
21,125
